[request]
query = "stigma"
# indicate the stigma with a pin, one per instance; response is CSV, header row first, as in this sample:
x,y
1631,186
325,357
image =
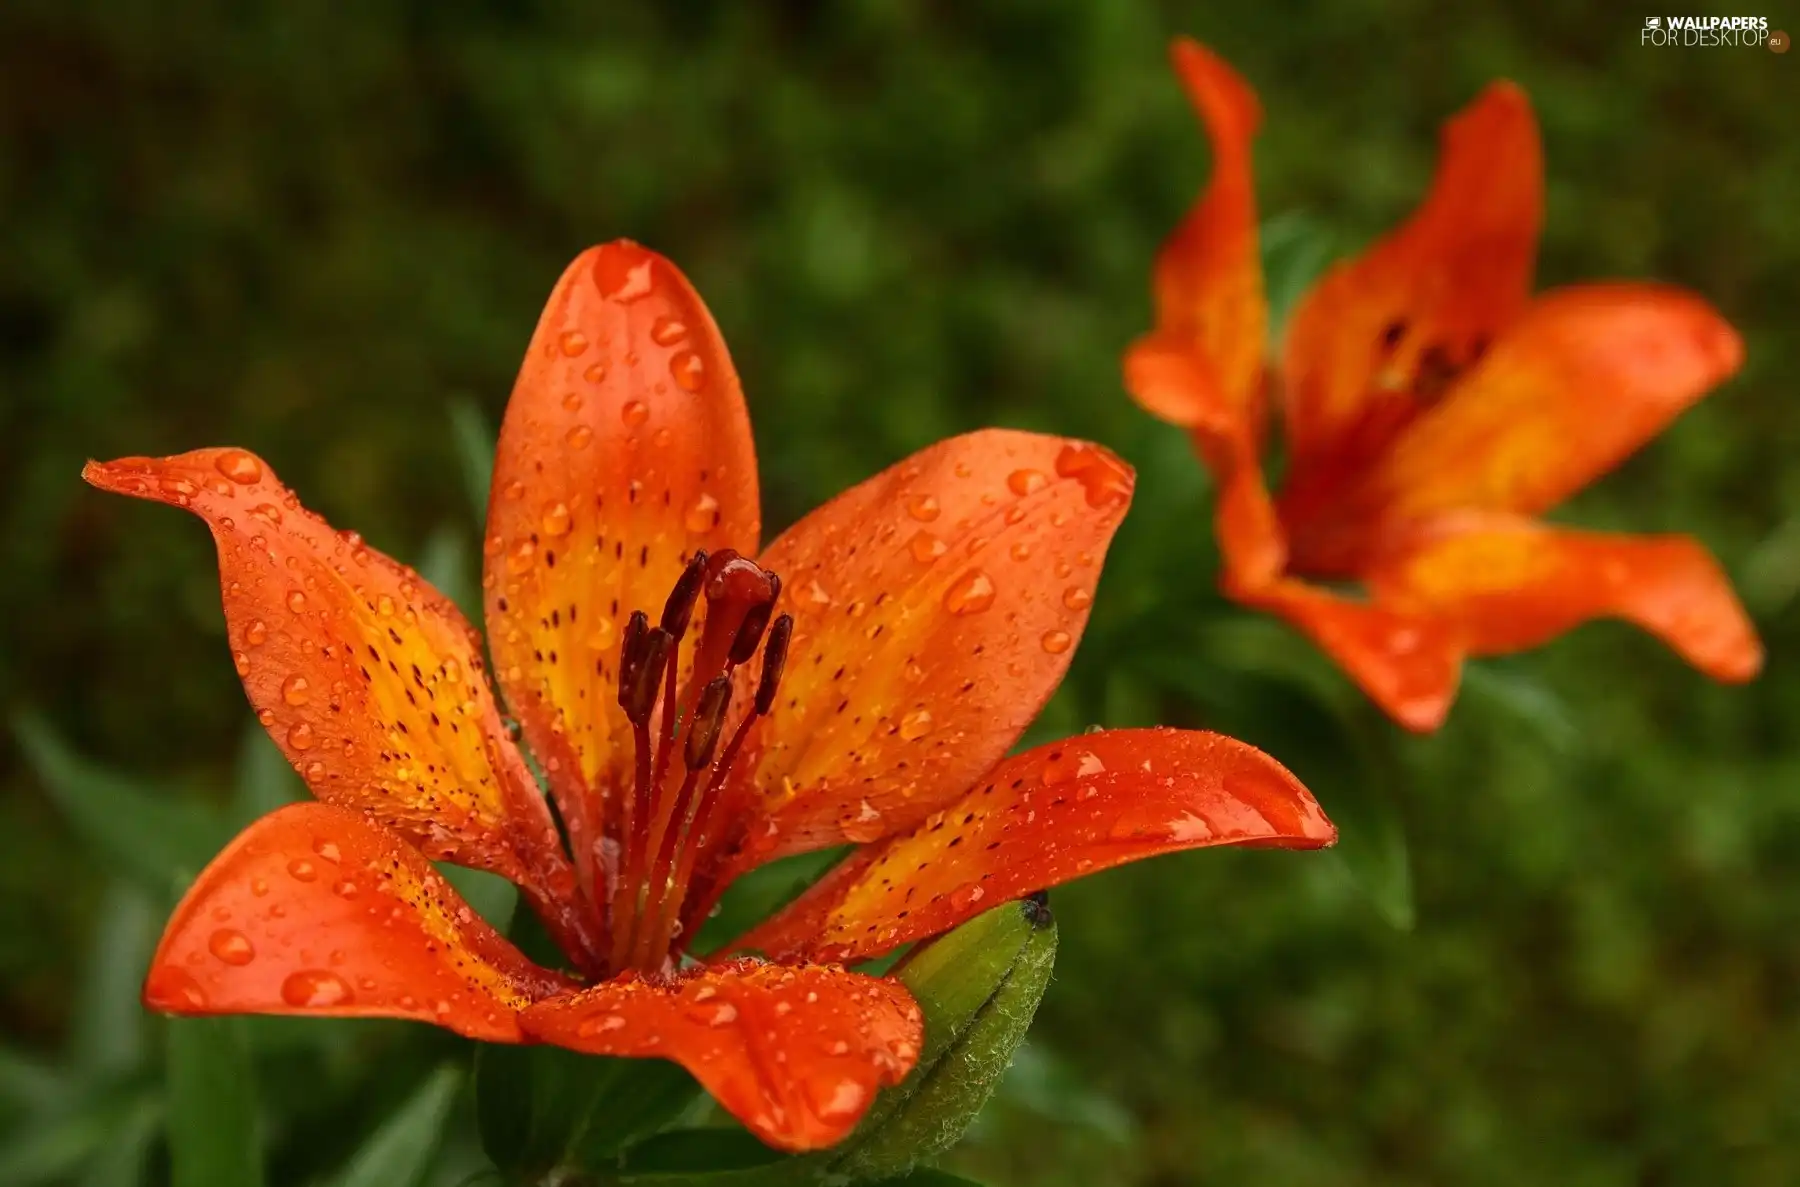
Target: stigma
x,y
667,831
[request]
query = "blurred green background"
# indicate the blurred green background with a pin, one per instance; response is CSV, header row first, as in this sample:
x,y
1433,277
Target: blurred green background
x,y
314,230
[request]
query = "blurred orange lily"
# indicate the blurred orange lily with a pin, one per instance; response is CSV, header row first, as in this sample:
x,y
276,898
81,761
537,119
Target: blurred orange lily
x,y
1431,406
930,612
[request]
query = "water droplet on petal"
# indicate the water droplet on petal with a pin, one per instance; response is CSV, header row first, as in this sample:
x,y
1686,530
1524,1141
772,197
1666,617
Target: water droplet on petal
x,y
926,547
600,1024
301,737
239,466
703,516
241,662
296,601
594,374
579,437
915,725
256,633
668,331
314,988
266,717
302,870
622,273
556,519
519,558
689,371
971,593
1077,598
571,401
723,1014
296,691
1024,482
923,508
268,512
315,771
1105,479
846,1100
964,897
1056,642
231,946
634,413
573,343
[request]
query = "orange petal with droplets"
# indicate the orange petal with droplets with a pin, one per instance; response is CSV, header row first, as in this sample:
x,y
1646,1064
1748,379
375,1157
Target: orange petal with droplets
x,y
1208,279
626,447
1407,662
795,1053
1584,378
315,910
936,607
369,680
1043,818
1512,584
1381,336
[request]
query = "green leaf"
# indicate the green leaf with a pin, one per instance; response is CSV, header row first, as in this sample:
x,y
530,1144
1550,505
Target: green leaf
x,y
979,987
475,452
928,1176
763,891
265,780
157,838
445,564
29,1084
212,1109
397,1154
125,1159
108,1026
542,1109
488,895
60,1149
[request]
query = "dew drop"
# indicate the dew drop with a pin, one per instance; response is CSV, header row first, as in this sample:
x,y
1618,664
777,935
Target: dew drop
x,y
923,508
926,547
668,331
296,691
846,1100
688,370
231,946
519,558
302,870
328,850
1105,479
703,516
1025,482
268,512
1056,642
175,987
241,662
1077,598
915,725
594,374
266,716
1020,551
514,489
256,633
315,771
314,988
622,273
301,737
972,593
556,519
723,1014
571,401
600,1024
634,413
579,437
239,466
573,343
964,897
296,601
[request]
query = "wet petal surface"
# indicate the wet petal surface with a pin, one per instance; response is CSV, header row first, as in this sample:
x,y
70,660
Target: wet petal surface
x,y
936,608
1041,818
794,1052
626,447
315,910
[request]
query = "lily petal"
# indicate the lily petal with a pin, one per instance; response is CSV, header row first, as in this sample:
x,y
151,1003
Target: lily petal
x,y
316,910
1379,337
1163,373
369,680
936,607
1407,662
795,1053
1042,818
1208,280
625,448
1511,584
1580,381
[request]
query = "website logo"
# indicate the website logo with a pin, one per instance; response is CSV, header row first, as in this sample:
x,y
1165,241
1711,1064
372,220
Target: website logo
x,y
1711,31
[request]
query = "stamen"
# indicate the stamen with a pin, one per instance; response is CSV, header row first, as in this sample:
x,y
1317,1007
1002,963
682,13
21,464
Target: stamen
x,y
666,828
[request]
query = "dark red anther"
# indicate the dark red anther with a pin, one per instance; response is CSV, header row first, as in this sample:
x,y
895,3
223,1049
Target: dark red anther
x,y
678,611
709,720
774,660
639,695
631,652
750,632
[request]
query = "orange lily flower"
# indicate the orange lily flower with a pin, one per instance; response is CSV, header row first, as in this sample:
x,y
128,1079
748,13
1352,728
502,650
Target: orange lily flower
x,y
929,614
1431,407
